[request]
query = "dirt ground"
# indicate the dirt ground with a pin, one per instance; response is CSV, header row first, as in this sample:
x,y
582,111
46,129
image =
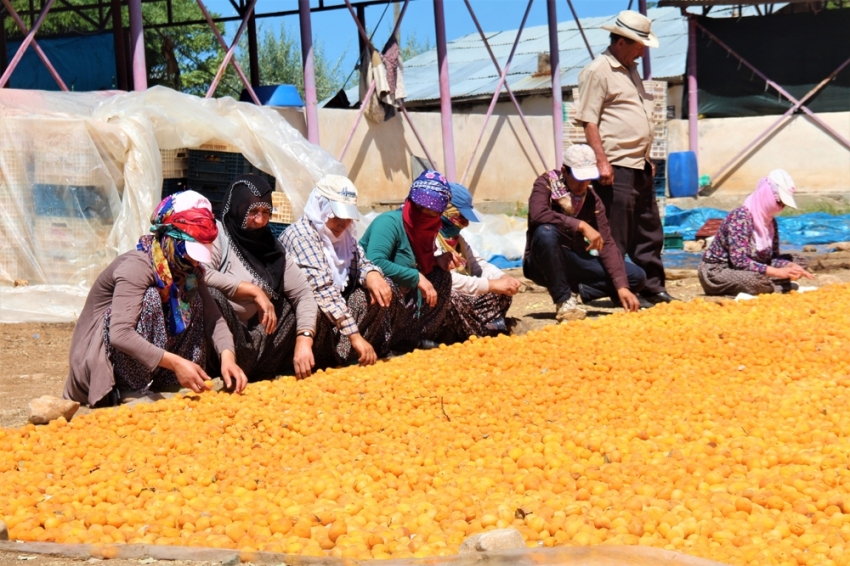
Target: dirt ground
x,y
34,356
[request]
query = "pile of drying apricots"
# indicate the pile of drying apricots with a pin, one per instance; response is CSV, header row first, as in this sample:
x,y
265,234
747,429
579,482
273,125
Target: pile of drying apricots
x,y
720,430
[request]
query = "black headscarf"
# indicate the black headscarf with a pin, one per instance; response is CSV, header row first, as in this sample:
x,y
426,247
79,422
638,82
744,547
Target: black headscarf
x,y
259,250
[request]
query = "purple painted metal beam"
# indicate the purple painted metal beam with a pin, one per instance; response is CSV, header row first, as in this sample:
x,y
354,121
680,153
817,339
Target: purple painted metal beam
x,y
22,26
25,44
311,103
445,92
782,118
647,67
363,34
779,89
497,92
693,94
581,29
557,100
137,46
229,55
223,43
120,48
356,122
416,133
507,86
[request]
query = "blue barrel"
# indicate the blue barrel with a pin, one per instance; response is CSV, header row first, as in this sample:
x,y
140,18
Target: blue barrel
x,y
682,174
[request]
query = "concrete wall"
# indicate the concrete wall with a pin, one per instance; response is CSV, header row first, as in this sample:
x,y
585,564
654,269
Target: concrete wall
x,y
379,157
816,160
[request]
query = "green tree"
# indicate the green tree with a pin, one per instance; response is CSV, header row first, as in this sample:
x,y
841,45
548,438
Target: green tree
x,y
412,46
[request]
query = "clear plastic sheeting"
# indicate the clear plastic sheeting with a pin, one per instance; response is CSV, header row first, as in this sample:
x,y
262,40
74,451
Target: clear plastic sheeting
x,y
42,303
80,174
498,235
600,555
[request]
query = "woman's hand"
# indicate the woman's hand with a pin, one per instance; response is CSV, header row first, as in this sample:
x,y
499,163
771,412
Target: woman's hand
x,y
303,359
234,377
428,291
364,348
628,300
505,285
448,261
591,235
791,271
379,290
265,308
189,374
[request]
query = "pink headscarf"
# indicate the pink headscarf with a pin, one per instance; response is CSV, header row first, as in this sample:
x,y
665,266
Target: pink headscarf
x,y
764,204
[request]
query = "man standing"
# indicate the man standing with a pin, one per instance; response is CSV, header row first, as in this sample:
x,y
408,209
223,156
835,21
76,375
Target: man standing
x,y
617,116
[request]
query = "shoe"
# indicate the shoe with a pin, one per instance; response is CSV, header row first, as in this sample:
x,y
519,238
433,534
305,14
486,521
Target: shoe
x,y
427,345
569,311
497,326
658,298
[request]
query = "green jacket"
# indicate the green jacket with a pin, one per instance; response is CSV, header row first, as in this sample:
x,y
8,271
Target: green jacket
x,y
387,246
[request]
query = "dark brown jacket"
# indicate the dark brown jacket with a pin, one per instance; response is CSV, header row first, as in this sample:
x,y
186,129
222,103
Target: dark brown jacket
x,y
543,210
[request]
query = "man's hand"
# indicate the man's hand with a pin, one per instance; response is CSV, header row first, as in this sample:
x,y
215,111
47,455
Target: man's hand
x,y
504,285
427,290
189,374
379,290
364,348
606,173
628,300
449,261
232,374
303,359
594,140
593,237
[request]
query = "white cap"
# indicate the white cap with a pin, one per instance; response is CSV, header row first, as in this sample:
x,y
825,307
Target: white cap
x,y
341,193
784,186
582,162
187,200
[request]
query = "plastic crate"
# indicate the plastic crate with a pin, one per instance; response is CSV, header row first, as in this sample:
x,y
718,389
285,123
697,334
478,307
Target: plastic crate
x,y
66,238
673,241
70,201
175,163
171,186
277,228
221,166
215,192
53,167
281,208
10,269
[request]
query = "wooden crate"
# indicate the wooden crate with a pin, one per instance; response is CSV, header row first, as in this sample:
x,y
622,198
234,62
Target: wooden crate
x,y
281,208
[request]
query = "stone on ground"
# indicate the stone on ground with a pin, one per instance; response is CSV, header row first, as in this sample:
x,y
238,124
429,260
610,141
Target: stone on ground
x,y
48,408
499,539
4,534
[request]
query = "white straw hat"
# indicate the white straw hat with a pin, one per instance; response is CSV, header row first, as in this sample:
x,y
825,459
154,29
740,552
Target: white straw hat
x,y
635,26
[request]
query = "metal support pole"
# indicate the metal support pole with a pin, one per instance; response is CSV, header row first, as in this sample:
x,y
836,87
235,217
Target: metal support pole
x,y
581,29
647,68
495,98
507,86
120,49
3,54
23,27
253,56
311,108
223,43
25,43
557,100
361,18
445,92
137,46
693,95
416,133
228,57
356,122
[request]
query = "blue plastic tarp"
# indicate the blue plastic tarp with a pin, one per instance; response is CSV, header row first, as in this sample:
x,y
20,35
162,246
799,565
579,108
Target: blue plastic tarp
x,y
85,63
806,229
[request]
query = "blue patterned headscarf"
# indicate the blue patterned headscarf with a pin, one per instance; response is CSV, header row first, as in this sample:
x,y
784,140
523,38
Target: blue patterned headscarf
x,y
431,190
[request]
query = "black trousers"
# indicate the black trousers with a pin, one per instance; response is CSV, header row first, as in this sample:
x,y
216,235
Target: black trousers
x,y
560,269
634,221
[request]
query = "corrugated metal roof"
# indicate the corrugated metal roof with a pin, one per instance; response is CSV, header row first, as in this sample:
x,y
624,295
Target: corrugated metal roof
x,y
473,74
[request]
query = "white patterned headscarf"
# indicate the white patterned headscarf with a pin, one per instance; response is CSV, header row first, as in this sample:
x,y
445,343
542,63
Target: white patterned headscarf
x,y
338,251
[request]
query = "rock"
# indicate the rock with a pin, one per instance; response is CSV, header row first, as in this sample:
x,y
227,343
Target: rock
x,y
810,249
694,246
842,246
48,408
828,279
675,274
4,533
21,283
499,539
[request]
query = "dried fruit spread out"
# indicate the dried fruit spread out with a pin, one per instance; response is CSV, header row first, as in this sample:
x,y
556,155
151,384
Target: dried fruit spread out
x,y
718,430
